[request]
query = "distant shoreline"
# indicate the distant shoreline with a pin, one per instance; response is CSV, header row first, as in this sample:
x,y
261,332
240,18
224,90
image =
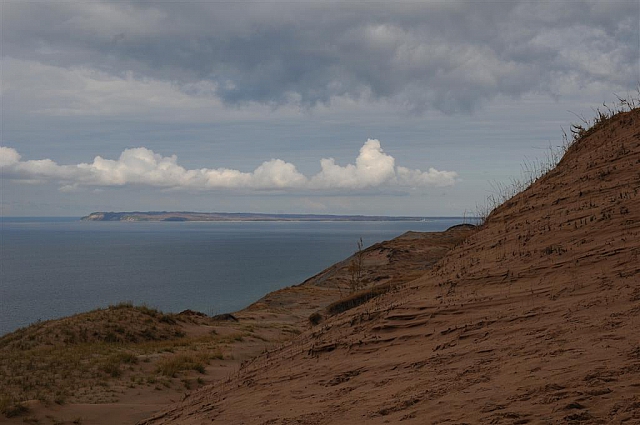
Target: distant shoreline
x,y
182,216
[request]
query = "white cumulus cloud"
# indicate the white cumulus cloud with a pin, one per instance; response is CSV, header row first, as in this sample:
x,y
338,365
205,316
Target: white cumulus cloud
x,y
8,156
141,166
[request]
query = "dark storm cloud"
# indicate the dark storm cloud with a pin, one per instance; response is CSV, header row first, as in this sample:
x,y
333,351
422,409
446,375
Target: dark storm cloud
x,y
449,56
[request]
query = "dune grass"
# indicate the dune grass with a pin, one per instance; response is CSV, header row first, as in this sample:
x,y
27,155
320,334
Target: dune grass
x,y
85,357
356,299
534,170
170,366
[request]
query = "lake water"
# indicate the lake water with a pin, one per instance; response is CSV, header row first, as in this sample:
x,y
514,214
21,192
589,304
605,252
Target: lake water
x,y
50,268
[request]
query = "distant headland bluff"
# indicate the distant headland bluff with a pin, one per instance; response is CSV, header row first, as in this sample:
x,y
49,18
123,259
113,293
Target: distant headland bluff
x,y
221,216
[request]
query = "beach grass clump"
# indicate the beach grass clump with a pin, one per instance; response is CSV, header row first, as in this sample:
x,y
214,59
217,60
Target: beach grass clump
x,y
534,170
10,407
171,366
358,298
112,365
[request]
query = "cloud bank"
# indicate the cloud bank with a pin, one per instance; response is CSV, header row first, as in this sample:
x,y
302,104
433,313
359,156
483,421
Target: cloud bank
x,y
448,56
373,169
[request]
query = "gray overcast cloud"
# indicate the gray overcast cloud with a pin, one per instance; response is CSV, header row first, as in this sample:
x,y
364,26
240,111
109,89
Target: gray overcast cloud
x,y
449,56
233,85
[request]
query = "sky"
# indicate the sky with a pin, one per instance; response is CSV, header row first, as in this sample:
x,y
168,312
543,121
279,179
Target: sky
x,y
334,107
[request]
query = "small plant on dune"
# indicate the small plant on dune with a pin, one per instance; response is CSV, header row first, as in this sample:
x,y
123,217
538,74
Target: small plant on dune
x,y
11,408
534,170
111,365
358,298
172,365
602,116
121,305
356,268
111,368
315,318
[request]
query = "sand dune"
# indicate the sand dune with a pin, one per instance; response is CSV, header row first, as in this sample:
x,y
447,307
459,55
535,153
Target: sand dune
x,y
109,366
532,319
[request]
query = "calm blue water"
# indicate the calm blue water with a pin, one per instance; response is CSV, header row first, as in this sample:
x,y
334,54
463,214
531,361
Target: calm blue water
x,y
51,268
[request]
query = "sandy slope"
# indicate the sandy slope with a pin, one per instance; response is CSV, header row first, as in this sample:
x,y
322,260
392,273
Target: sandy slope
x,y
59,365
534,319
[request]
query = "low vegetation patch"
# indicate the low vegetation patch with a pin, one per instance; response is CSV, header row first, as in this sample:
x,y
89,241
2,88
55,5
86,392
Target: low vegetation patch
x,y
315,318
87,358
11,408
112,365
358,298
172,365
553,249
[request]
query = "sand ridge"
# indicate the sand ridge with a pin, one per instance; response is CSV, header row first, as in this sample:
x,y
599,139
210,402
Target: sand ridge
x,y
533,319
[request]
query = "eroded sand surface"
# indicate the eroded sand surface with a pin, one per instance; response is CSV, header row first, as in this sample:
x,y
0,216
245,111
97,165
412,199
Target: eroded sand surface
x,y
533,319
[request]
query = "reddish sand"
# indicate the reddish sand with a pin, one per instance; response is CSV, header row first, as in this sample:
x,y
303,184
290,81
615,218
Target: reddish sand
x,y
533,319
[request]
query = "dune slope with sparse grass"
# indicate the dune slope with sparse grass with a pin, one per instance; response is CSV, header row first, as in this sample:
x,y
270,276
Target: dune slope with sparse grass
x,y
534,318
123,363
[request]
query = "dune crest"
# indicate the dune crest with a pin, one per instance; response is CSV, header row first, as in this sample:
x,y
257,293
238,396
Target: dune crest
x,y
533,318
